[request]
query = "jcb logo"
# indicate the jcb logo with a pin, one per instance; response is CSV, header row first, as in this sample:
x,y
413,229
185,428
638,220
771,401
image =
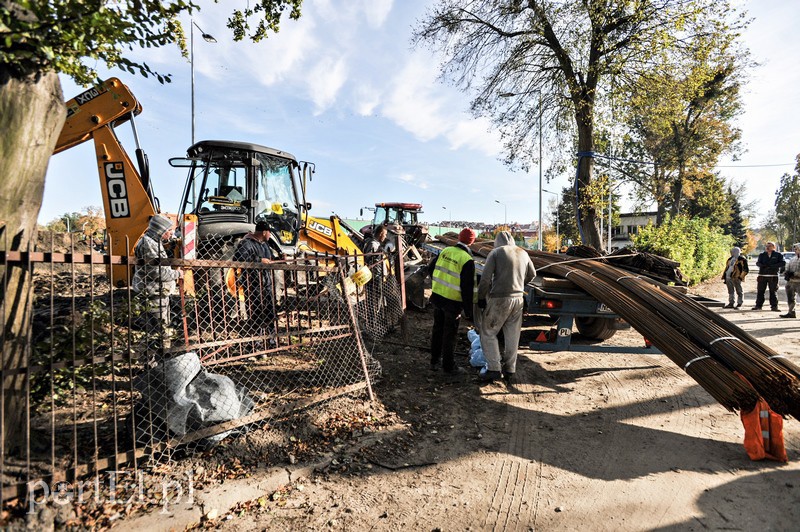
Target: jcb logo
x,y
89,95
319,228
118,205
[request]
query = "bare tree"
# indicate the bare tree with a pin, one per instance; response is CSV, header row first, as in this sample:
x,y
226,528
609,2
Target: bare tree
x,y
566,59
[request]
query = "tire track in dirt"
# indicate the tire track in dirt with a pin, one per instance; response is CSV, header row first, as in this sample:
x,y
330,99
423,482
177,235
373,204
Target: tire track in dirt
x,y
514,484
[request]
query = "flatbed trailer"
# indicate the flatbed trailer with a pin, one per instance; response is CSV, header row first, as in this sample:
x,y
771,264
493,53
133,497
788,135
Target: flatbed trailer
x,y
571,308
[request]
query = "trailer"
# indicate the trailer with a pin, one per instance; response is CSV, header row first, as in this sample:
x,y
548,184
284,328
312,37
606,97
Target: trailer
x,y
572,308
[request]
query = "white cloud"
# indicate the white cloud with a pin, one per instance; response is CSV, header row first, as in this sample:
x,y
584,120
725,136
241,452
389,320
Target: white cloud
x,y
273,60
411,179
421,105
377,11
366,99
325,80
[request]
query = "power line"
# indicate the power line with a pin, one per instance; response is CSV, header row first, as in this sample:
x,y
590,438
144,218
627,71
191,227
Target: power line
x,y
752,165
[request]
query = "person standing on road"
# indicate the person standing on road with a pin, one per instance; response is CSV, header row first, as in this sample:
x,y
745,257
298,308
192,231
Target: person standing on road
x,y
792,277
454,280
501,293
736,269
770,263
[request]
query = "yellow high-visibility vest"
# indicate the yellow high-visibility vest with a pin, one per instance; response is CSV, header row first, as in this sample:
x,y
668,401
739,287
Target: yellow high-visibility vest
x,y
447,275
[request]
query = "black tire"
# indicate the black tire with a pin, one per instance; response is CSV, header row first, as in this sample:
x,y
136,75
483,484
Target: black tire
x,y
597,328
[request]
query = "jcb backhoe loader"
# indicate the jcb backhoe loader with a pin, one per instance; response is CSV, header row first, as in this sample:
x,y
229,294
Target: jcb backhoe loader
x,y
229,187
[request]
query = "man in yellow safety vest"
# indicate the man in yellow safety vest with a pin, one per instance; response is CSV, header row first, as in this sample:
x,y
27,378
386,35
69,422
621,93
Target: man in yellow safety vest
x,y
454,283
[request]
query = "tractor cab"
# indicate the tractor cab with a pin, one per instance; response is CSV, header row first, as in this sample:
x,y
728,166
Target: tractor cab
x,y
400,218
232,185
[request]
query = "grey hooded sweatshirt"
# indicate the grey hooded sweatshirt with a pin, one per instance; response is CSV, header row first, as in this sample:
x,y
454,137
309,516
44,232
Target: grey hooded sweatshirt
x,y
149,279
507,270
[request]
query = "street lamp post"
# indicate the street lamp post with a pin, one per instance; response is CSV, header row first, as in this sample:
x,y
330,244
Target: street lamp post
x,y
540,170
207,38
451,218
558,232
505,213
508,95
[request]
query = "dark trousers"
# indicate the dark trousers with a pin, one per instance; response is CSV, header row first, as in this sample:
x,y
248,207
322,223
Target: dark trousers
x,y
443,338
762,283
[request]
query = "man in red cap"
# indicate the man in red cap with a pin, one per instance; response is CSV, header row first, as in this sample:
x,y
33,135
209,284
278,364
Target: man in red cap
x,y
454,282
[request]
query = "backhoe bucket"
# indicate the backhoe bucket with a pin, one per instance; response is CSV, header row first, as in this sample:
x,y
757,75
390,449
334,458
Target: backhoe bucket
x,y
415,289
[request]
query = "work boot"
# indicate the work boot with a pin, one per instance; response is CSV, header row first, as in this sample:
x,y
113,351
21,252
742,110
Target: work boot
x,y
489,376
756,308
789,314
729,305
775,309
455,372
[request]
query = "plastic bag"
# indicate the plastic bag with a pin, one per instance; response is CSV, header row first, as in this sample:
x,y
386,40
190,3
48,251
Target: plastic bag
x,y
476,358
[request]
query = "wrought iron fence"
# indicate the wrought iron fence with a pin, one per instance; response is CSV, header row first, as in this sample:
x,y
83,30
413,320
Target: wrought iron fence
x,y
113,375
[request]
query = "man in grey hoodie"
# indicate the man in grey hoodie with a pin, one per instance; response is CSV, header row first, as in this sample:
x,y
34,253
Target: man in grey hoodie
x,y
501,293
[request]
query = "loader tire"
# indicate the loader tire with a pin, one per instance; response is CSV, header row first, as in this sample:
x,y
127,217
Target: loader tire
x,y
597,328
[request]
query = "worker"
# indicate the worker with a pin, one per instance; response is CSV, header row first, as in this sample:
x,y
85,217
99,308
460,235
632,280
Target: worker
x,y
375,258
792,277
453,287
374,244
154,284
501,293
770,263
736,269
257,283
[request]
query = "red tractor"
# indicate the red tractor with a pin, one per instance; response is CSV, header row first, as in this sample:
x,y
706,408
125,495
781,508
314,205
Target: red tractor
x,y
399,218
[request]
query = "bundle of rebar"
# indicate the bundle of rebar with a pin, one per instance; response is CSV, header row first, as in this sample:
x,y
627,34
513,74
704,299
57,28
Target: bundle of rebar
x,y
730,364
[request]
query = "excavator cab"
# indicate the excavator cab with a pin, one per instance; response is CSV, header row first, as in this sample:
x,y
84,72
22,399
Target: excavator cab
x,y
231,186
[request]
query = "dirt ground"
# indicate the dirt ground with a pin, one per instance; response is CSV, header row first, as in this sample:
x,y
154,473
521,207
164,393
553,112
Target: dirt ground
x,y
582,441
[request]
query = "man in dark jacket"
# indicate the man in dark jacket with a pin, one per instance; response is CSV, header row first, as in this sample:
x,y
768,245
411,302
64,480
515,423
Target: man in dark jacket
x,y
770,263
256,283
453,287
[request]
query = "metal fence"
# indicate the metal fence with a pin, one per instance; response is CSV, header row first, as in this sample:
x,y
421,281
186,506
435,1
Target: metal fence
x,y
113,375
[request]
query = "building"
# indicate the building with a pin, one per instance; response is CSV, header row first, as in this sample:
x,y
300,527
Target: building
x,y
629,225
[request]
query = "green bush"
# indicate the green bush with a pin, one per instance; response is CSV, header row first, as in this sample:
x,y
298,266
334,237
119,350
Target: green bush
x,y
701,250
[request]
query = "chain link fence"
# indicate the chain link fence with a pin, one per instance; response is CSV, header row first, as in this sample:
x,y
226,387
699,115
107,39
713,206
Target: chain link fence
x,y
115,376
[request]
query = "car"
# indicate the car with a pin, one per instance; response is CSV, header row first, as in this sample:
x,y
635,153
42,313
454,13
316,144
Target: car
x,y
789,255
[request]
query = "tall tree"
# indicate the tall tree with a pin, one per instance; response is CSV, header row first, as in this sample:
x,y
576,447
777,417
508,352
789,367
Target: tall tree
x,y
707,198
567,220
40,40
682,120
575,56
787,203
737,225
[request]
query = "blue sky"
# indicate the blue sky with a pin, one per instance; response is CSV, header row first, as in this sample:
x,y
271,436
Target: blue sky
x,y
343,88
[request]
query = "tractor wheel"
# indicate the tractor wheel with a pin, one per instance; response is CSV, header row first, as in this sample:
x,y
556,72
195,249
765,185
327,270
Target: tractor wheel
x,y
597,328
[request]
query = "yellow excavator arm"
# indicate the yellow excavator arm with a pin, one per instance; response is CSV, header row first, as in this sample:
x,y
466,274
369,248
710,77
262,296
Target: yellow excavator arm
x,y
127,199
326,235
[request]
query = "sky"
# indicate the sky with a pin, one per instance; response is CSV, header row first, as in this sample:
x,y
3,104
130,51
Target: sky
x,y
344,88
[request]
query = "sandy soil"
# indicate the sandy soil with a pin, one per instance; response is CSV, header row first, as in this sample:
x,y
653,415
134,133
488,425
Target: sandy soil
x,y
582,441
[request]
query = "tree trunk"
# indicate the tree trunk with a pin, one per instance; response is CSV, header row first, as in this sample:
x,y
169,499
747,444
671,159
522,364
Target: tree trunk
x,y
588,215
32,113
677,191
